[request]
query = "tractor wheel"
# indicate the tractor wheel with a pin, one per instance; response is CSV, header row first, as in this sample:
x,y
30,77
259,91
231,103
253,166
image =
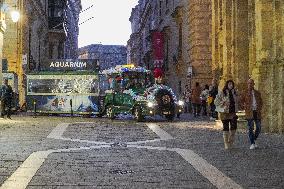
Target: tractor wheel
x,y
138,114
110,112
170,117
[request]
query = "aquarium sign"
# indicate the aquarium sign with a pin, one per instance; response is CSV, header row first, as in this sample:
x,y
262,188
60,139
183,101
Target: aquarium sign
x,y
71,65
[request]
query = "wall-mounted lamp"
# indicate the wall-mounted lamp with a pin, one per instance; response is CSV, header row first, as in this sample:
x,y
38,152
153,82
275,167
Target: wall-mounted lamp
x,y
15,15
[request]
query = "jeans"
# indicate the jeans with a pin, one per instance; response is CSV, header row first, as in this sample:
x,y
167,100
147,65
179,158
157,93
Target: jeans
x,y
6,104
187,107
204,107
253,135
213,112
196,109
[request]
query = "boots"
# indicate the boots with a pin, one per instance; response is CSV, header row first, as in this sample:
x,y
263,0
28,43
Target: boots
x,y
226,139
232,138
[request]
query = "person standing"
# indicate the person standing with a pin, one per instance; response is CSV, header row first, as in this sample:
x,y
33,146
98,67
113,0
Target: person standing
x,y
196,101
6,99
226,104
213,91
252,103
204,95
187,99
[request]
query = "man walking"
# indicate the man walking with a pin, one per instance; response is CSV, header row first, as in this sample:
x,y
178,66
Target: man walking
x,y
252,103
6,93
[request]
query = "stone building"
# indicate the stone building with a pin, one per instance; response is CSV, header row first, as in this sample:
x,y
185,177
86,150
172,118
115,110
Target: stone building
x,y
248,41
108,55
200,29
56,31
25,42
72,12
185,27
38,36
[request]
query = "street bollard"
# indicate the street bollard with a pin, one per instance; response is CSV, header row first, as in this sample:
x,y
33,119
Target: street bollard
x,y
71,107
34,103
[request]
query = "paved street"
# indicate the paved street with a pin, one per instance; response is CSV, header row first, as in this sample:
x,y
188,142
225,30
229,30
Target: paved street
x,y
77,152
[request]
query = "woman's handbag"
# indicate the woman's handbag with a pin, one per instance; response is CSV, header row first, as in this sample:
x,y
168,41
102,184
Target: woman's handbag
x,y
220,109
220,103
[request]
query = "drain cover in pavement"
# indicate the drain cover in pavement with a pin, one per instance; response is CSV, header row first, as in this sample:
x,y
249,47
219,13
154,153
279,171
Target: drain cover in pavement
x,y
118,144
121,172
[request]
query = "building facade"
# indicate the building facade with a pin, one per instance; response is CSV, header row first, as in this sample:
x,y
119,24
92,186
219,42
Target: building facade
x,y
25,42
56,32
185,29
72,11
248,42
200,31
108,55
39,35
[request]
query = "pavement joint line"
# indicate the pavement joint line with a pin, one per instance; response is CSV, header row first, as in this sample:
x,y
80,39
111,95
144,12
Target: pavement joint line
x,y
216,177
160,132
58,131
143,141
24,174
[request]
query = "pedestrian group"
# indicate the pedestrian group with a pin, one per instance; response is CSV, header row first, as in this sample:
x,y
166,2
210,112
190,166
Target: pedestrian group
x,y
224,104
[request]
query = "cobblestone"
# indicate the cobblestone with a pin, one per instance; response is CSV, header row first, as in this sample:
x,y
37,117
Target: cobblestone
x,y
106,132
97,168
154,164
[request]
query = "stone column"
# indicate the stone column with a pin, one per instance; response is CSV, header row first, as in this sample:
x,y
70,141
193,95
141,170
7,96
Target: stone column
x,y
252,35
268,72
225,37
215,42
241,44
265,30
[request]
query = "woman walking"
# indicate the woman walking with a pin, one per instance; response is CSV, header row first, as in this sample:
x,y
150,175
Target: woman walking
x,y
226,104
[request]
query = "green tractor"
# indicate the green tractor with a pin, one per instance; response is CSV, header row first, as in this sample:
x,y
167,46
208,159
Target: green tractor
x,y
131,90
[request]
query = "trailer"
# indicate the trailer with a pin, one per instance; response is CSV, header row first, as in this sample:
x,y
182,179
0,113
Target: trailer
x,y
64,87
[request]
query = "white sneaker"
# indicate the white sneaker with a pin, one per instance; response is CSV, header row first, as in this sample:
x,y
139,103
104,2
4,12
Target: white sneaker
x,y
255,145
252,147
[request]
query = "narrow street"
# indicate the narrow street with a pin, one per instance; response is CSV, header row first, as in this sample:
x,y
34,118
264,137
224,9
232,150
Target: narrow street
x,y
99,153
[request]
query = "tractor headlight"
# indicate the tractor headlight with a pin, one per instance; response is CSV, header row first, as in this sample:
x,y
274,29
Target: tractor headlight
x,y
150,104
180,103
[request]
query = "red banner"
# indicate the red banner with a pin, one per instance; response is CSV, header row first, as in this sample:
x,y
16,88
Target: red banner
x,y
158,48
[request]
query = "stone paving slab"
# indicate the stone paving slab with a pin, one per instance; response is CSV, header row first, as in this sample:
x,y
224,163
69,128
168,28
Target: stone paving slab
x,y
118,168
20,137
260,168
110,131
